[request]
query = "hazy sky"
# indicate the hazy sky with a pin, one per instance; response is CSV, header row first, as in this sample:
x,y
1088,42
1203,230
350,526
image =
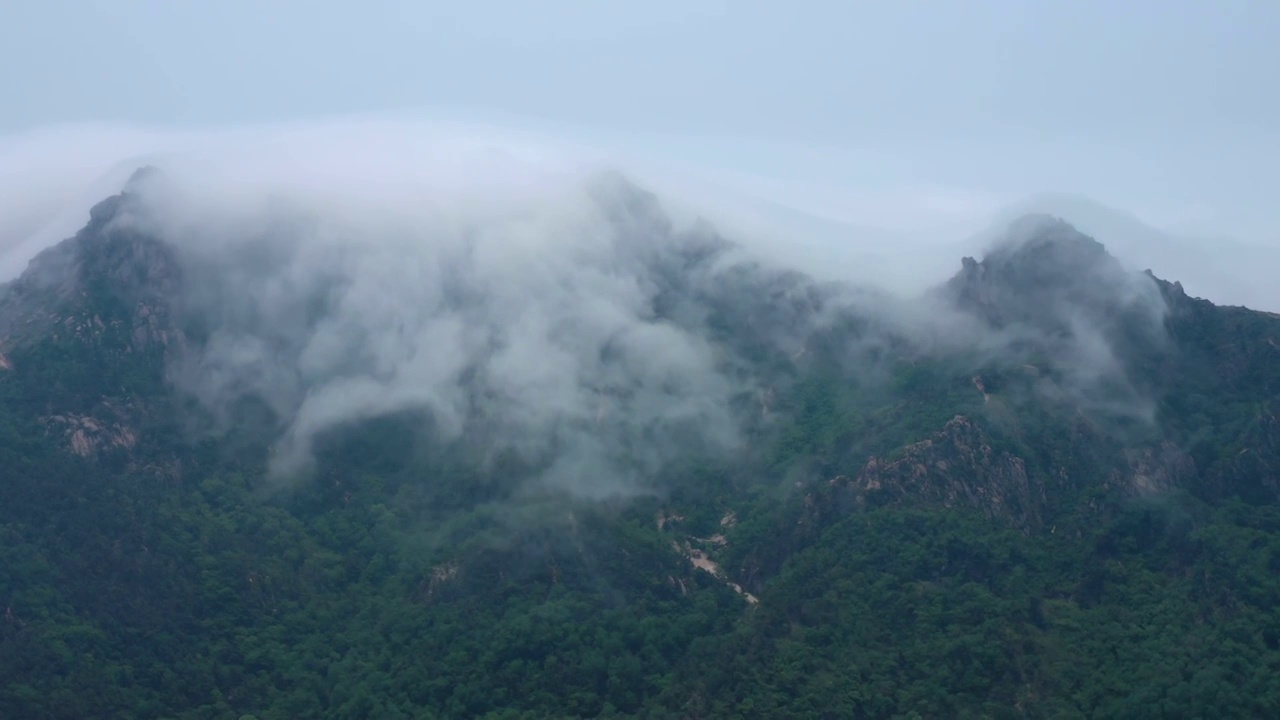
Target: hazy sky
x,y
1168,108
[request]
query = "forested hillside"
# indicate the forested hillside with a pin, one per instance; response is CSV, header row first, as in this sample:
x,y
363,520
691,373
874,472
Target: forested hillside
x,y
1051,488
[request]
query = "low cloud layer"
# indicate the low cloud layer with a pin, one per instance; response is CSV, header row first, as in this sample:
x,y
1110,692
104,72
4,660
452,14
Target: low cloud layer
x,y
512,296
524,293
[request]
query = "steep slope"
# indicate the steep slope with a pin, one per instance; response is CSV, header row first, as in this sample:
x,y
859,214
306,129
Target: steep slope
x,y
1049,488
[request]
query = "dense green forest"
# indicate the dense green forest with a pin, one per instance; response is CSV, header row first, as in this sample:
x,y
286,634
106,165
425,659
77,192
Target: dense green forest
x,y
940,542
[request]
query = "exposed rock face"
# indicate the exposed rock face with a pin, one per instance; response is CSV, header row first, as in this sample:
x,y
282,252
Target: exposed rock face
x,y
700,560
958,467
955,467
109,278
87,436
441,575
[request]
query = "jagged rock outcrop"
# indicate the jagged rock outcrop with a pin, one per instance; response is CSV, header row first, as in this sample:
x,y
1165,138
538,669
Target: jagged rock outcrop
x,y
955,467
89,435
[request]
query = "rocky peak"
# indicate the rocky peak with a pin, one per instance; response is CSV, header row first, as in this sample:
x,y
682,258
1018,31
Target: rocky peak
x,y
90,327
1043,269
111,274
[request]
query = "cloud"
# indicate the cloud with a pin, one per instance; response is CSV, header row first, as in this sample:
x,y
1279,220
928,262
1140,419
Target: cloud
x,y
516,288
1046,291
511,293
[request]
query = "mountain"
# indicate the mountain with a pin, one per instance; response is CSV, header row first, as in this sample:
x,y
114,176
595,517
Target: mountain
x,y
1230,271
278,469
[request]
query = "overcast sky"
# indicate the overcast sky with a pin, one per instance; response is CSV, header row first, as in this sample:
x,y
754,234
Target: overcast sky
x,y
1168,108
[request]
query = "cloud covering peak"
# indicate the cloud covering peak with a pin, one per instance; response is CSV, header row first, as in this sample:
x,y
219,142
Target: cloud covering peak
x,y
519,308
524,295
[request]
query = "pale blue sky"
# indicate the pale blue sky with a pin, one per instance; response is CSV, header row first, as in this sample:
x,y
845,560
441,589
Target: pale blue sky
x,y
1169,108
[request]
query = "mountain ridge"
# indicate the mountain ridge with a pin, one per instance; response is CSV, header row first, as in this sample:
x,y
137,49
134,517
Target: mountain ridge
x,y
1226,269
922,504
1044,266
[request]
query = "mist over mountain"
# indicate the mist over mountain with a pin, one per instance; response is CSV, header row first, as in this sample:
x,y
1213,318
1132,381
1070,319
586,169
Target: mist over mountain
x,y
1225,270
656,361
566,320
467,429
